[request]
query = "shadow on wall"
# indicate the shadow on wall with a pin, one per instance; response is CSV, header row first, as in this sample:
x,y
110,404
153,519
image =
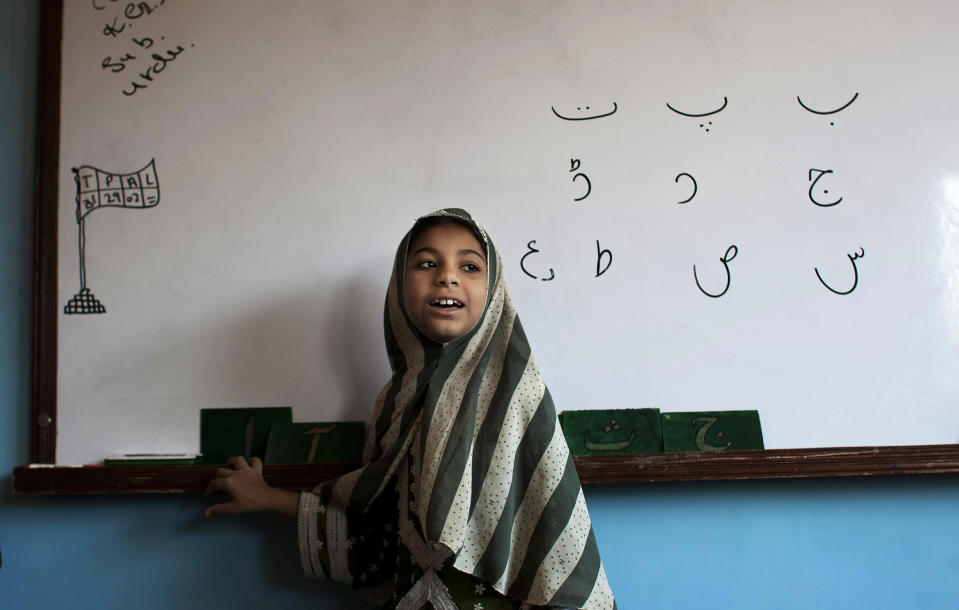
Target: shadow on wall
x,y
319,350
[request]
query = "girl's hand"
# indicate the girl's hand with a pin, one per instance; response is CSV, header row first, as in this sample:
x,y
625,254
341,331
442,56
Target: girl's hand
x,y
245,484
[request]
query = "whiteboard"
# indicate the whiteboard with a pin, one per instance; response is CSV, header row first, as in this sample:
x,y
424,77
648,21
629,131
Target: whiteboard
x,y
700,206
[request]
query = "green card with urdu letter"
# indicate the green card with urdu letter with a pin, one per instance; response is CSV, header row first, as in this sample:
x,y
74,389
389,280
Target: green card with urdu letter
x,y
228,432
315,443
712,431
612,431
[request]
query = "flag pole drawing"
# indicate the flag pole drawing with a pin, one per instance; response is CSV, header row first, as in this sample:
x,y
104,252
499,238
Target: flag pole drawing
x,y
99,189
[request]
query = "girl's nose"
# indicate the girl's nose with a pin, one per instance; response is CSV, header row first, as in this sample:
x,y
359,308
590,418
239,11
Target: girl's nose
x,y
447,276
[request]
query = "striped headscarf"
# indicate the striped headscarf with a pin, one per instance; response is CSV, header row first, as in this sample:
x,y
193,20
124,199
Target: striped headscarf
x,y
494,481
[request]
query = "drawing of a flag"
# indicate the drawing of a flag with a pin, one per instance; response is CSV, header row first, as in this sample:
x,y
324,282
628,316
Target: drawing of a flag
x,y
97,189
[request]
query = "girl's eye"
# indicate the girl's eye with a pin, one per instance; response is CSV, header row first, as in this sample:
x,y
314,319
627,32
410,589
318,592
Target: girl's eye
x,y
471,268
427,264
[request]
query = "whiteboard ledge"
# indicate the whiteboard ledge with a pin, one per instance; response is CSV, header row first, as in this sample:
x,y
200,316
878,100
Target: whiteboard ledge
x,y
592,469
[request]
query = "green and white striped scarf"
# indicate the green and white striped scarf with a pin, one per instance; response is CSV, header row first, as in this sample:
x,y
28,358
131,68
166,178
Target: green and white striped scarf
x,y
494,480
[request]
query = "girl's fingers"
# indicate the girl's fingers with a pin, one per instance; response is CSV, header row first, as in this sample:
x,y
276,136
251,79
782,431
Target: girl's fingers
x,y
237,463
256,464
218,510
213,486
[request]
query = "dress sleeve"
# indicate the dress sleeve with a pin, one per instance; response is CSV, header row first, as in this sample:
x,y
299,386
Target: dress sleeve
x,y
348,546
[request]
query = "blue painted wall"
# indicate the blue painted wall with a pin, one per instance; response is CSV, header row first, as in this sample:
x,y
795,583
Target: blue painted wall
x,y
866,543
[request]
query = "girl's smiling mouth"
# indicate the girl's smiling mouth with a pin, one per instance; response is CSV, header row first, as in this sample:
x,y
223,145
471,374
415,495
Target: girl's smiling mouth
x,y
446,302
446,305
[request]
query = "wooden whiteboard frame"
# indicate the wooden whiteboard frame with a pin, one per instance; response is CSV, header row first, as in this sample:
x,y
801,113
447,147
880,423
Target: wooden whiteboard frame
x,y
779,463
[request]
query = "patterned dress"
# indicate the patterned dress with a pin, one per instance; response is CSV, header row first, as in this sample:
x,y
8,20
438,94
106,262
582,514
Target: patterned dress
x,y
468,497
384,556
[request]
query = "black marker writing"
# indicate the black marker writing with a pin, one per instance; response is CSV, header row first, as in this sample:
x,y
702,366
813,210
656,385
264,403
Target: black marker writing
x,y
135,11
99,189
731,253
695,187
819,174
574,165
151,71
585,118
855,271
705,125
814,111
827,112
522,263
112,29
135,86
690,114
119,24
600,253
116,65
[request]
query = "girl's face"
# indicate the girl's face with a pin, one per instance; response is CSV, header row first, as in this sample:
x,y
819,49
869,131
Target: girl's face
x,y
445,289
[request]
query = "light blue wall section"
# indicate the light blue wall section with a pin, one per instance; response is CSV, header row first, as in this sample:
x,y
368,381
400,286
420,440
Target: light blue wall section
x,y
865,543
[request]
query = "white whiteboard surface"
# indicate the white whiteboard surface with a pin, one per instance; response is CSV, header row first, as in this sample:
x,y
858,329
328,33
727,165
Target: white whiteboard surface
x,y
295,141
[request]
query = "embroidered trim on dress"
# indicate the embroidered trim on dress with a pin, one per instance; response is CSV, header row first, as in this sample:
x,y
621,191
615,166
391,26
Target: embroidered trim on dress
x,y
337,544
309,541
429,588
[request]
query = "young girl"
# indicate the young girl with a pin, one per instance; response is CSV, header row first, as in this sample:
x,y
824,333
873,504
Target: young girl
x,y
468,497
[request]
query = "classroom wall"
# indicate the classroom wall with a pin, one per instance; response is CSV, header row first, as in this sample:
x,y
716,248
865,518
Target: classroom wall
x,y
861,543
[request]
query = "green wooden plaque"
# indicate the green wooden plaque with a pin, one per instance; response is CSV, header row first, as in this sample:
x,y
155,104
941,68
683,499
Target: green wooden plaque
x,y
712,431
225,433
315,443
612,431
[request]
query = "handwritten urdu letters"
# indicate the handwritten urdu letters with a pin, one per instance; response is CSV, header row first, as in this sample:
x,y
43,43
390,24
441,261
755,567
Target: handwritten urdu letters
x,y
605,256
